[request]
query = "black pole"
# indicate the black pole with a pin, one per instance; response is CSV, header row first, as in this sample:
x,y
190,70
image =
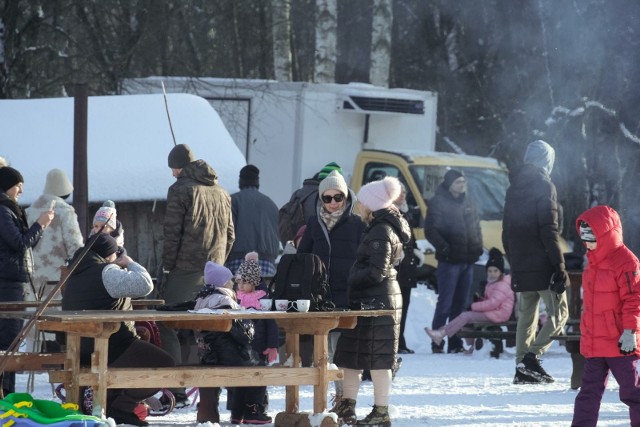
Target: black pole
x,y
80,180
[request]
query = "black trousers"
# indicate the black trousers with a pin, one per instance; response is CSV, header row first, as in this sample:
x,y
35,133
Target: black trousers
x,y
10,328
140,354
406,299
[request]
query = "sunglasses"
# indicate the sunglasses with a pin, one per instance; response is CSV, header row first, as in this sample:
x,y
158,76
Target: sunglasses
x,y
337,197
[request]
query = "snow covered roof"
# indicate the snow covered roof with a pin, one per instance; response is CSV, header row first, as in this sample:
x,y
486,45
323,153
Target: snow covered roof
x,y
128,142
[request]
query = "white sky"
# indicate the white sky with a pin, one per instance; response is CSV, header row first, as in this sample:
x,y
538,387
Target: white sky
x,y
444,390
128,142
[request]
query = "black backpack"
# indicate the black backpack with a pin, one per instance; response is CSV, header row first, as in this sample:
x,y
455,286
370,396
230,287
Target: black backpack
x,y
302,276
291,218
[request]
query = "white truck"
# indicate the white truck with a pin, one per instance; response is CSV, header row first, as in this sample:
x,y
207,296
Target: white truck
x,y
290,130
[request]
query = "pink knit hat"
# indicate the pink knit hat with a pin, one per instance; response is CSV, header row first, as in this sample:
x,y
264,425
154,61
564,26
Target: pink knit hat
x,y
378,195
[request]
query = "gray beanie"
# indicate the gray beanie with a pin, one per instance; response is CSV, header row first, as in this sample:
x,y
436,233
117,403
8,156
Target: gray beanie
x,y
541,155
180,156
333,181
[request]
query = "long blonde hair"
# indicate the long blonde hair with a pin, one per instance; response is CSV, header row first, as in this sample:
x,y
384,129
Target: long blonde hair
x,y
365,213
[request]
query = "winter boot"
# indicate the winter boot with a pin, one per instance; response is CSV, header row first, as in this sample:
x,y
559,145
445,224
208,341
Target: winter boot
x,y
531,364
436,335
255,414
335,401
523,377
437,349
379,417
345,409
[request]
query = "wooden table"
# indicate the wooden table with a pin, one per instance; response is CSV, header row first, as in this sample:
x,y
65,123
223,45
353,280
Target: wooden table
x,y
99,325
23,305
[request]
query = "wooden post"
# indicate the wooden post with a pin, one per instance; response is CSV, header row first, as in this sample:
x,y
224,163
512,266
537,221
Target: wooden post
x,y
80,180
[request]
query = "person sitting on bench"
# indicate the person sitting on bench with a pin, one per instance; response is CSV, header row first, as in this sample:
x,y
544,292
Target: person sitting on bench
x,y
496,306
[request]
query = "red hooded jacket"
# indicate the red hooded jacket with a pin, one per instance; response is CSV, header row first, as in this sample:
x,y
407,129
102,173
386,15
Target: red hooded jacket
x,y
611,287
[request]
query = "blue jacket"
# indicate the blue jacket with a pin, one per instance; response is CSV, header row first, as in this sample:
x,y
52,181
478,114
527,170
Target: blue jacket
x,y
16,241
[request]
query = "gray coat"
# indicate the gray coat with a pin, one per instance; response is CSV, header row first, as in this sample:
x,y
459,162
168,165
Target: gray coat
x,y
255,218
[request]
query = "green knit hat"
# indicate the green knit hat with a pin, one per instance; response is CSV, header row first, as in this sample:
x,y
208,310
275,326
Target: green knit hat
x,y
327,169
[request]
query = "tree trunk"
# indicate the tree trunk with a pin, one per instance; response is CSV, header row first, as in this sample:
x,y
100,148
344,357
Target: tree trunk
x,y
281,12
382,24
326,41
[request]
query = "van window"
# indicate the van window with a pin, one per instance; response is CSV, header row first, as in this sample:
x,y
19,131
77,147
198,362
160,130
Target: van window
x,y
486,187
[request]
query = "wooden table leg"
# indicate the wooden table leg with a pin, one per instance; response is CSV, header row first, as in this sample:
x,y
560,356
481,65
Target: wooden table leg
x,y
320,360
72,364
99,361
292,349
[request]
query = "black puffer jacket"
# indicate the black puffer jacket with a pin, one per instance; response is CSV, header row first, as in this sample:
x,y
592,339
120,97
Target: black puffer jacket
x,y
85,290
336,248
373,343
530,229
453,228
16,241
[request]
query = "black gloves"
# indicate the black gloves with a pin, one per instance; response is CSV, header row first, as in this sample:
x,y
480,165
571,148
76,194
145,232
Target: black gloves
x,y
559,282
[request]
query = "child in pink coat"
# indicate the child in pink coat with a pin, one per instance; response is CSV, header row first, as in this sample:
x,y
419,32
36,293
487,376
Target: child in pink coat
x,y
496,306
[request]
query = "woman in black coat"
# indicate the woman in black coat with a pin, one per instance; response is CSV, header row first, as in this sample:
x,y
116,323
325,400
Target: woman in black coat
x,y
373,344
17,239
333,234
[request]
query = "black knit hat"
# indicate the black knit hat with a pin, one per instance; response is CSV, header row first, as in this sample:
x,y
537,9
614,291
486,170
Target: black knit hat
x,y
495,259
450,176
180,156
249,177
105,245
9,177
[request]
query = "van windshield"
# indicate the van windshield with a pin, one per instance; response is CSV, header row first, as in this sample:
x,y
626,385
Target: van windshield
x,y
486,187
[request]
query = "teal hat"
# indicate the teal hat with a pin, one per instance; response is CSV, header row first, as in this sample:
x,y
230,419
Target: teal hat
x,y
327,169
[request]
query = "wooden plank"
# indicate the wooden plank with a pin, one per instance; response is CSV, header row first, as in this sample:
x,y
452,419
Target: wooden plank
x,y
33,361
209,376
220,325
486,334
84,329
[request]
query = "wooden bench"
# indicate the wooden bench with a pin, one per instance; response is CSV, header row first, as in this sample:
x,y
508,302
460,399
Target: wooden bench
x,y
28,361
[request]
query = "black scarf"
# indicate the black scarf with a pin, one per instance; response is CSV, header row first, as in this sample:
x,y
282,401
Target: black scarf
x,y
16,209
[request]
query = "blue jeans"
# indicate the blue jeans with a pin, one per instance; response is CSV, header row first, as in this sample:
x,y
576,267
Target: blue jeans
x,y
454,286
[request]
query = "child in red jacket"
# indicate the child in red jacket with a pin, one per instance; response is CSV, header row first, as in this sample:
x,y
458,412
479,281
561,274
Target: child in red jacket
x,y
610,318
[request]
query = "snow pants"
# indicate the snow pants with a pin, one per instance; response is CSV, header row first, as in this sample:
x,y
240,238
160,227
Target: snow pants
x,y
594,382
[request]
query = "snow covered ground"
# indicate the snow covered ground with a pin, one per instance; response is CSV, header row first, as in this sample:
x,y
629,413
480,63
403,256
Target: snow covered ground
x,y
444,390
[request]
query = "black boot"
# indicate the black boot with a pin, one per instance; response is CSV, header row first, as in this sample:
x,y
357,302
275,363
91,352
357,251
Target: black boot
x,y
255,414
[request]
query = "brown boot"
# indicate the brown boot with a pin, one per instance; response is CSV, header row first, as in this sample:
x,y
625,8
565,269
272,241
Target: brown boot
x,y
378,417
208,406
346,411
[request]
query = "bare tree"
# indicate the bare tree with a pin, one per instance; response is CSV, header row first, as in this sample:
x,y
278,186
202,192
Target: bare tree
x,y
326,41
281,16
382,24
